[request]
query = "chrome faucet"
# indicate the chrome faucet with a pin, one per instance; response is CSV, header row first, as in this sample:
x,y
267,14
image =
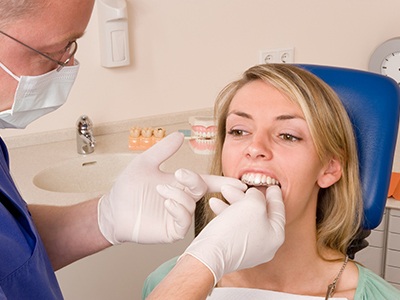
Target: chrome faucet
x,y
85,140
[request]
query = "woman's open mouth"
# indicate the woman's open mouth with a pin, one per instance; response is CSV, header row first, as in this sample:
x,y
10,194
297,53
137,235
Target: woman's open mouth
x,y
258,179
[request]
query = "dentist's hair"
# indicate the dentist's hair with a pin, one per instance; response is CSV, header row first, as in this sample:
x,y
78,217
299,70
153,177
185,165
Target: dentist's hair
x,y
339,208
12,10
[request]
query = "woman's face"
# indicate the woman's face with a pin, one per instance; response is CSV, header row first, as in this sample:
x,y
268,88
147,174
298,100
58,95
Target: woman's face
x,y
268,141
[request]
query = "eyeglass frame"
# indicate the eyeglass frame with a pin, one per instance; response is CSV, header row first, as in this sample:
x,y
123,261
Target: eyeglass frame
x,y
59,63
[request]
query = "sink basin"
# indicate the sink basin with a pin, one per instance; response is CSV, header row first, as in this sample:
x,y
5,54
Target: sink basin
x,y
87,174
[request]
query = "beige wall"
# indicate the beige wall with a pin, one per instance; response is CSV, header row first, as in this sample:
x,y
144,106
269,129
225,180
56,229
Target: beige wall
x,y
184,51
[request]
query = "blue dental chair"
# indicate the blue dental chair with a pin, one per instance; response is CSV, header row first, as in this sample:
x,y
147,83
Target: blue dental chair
x,y
373,103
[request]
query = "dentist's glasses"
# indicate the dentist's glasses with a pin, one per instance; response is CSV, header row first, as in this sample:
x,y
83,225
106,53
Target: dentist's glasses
x,y
68,53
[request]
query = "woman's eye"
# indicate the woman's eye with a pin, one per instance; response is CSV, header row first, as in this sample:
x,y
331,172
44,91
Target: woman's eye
x,y
289,137
237,132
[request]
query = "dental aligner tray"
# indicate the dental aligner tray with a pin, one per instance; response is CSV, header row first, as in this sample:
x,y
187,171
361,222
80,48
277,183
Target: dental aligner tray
x,y
144,138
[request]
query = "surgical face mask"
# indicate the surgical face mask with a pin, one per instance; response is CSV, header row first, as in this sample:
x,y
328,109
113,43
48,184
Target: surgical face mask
x,y
38,95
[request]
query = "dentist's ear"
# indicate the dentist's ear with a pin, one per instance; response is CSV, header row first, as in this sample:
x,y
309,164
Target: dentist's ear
x,y
330,174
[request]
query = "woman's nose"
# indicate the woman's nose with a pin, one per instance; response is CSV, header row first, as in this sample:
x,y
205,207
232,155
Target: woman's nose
x,y
258,149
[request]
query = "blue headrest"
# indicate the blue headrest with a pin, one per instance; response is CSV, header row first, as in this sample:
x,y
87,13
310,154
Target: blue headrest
x,y
372,102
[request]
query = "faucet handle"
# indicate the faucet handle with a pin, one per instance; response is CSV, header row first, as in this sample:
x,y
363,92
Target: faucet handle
x,y
84,135
84,123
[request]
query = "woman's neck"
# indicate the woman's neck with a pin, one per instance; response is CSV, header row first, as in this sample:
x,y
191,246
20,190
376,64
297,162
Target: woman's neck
x,y
297,268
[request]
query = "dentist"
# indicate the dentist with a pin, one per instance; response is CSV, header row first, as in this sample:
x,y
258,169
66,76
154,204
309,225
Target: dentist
x,y
38,41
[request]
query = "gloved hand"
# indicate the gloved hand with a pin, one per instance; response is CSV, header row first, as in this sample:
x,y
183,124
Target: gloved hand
x,y
244,234
136,209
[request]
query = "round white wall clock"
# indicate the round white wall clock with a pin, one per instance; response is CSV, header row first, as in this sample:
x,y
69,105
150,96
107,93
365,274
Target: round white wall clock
x,y
386,59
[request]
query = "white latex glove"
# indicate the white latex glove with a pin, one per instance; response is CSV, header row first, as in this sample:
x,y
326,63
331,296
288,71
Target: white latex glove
x,y
244,234
134,210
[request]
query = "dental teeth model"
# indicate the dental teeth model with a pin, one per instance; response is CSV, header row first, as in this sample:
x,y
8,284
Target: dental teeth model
x,y
203,131
258,179
144,138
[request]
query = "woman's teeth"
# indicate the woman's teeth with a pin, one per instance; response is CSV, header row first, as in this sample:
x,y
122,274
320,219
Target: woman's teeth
x,y
257,179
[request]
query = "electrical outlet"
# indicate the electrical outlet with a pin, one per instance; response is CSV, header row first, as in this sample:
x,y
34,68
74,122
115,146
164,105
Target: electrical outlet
x,y
283,55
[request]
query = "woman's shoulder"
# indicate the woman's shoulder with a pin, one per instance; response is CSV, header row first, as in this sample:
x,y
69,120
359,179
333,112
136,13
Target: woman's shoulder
x,y
372,286
157,275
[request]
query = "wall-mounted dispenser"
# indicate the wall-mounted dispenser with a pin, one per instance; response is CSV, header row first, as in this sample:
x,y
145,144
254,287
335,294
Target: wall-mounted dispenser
x,y
114,37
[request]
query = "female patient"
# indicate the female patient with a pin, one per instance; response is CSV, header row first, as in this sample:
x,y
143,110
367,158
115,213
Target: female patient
x,y
281,125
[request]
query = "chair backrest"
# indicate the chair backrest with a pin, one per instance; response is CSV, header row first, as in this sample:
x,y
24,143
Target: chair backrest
x,y
372,102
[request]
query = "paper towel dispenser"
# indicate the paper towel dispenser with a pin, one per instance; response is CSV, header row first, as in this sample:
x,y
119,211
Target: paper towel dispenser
x,y
113,29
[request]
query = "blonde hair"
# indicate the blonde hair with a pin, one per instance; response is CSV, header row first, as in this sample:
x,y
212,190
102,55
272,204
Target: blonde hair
x,y
339,208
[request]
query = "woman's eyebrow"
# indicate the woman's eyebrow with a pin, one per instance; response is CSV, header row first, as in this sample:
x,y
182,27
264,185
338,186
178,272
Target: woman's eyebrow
x,y
240,114
278,118
285,117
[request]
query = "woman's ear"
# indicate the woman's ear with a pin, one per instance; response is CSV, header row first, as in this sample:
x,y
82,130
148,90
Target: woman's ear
x,y
330,174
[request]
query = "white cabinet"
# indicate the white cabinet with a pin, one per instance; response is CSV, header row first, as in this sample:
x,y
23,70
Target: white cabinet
x,y
392,265
372,256
382,256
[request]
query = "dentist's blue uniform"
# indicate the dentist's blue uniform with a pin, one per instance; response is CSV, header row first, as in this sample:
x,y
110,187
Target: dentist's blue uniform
x,y
25,269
